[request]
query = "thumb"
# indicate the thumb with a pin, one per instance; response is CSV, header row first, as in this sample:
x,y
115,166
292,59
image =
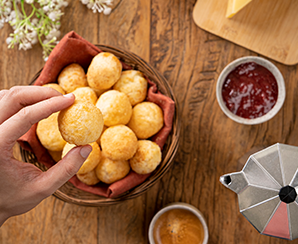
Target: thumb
x,y
61,172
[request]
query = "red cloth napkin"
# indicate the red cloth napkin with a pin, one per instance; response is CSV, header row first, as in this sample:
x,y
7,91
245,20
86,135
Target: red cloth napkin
x,y
74,49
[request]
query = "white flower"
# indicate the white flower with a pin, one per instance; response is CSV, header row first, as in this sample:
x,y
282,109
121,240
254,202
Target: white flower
x,y
46,8
34,41
12,14
9,40
27,46
34,21
107,11
40,25
99,5
53,33
6,4
53,16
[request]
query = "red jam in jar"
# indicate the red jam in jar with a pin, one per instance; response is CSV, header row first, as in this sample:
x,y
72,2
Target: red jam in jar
x,y
250,90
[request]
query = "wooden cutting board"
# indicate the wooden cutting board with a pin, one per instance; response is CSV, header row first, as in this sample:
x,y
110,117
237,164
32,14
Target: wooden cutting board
x,y
268,27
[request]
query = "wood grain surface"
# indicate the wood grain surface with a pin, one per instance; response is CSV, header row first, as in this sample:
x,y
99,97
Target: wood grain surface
x,y
266,27
164,34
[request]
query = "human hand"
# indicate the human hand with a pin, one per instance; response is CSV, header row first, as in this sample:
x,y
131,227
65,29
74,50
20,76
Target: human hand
x,y
22,185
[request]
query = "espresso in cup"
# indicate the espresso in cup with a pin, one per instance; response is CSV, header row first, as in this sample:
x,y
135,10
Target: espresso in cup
x,y
178,223
178,226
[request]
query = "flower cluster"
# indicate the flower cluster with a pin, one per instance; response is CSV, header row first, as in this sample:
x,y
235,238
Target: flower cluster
x,y
99,5
38,22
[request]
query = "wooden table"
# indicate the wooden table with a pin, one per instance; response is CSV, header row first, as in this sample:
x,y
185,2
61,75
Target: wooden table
x,y
164,34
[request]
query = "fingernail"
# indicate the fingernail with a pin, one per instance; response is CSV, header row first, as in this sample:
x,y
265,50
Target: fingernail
x,y
85,151
68,95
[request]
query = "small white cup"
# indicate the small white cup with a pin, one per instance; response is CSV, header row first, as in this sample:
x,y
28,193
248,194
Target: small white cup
x,y
178,205
280,83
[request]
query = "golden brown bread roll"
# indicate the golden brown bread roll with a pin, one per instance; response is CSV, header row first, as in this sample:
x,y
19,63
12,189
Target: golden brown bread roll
x,y
118,142
115,107
72,77
56,87
48,133
81,123
91,162
89,178
146,119
147,157
86,94
133,84
109,171
104,71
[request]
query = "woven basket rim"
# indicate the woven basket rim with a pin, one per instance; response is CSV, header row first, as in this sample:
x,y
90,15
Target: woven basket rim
x,y
163,86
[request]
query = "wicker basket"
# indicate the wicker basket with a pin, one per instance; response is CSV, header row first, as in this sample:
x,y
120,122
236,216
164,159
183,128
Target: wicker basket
x,y
71,194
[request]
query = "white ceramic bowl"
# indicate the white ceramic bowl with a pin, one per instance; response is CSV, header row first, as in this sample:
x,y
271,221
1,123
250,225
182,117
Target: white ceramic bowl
x,y
178,205
280,82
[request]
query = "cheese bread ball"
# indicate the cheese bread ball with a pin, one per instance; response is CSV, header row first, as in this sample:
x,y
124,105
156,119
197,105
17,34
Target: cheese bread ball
x,y
72,77
89,178
56,155
48,133
91,162
147,157
115,107
109,171
81,123
146,119
104,71
133,84
56,87
85,94
118,142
